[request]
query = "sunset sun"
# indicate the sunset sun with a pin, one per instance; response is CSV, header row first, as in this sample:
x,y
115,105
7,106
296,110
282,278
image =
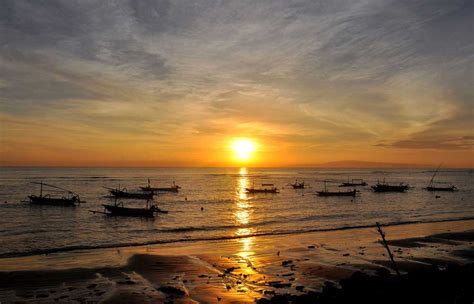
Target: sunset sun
x,y
243,149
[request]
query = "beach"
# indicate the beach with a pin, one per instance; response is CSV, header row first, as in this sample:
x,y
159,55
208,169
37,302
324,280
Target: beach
x,y
241,270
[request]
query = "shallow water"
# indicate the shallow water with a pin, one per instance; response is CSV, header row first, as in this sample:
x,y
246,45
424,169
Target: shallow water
x,y
228,211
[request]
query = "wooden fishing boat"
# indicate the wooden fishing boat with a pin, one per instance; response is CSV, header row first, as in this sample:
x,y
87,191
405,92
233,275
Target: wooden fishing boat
x,y
337,193
67,198
297,185
325,192
118,209
149,188
354,183
432,185
123,193
267,188
449,188
125,211
385,187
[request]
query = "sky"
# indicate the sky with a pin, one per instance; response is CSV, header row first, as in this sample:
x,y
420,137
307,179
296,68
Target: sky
x,y
175,83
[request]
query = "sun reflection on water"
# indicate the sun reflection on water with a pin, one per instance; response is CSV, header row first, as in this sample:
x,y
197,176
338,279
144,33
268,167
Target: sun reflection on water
x,y
243,214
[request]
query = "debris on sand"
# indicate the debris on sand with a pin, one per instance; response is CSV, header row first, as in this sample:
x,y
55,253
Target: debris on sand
x,y
419,286
286,263
171,290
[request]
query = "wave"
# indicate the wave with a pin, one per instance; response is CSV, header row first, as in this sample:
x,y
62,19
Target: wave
x,y
217,238
68,177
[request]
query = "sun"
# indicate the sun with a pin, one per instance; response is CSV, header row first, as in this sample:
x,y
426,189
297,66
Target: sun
x,y
243,148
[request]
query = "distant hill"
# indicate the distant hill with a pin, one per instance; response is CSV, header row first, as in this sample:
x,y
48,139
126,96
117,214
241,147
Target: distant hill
x,y
366,164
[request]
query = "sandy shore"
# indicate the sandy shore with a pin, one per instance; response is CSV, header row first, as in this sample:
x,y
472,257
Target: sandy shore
x,y
231,271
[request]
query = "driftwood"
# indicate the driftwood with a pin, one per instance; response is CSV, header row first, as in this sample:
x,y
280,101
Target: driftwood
x,y
384,243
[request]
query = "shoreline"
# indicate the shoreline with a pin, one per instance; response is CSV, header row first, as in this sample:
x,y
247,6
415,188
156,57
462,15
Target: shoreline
x,y
238,270
68,249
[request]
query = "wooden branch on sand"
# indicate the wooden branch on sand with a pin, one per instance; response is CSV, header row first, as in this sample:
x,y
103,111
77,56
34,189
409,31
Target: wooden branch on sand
x,y
384,243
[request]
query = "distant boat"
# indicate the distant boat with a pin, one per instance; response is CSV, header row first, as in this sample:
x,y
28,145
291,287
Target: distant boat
x,y
325,192
123,193
354,183
267,188
385,187
71,199
149,188
118,209
431,187
297,185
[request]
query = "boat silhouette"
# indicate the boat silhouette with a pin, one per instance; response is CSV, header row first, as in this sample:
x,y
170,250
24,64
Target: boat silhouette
x,y
149,188
297,185
267,188
432,186
118,209
326,192
69,197
353,183
386,187
124,193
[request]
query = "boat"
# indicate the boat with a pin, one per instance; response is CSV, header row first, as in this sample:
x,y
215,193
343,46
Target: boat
x,y
354,183
325,192
432,187
385,187
448,188
118,209
68,198
337,193
123,193
149,188
297,185
267,188
125,211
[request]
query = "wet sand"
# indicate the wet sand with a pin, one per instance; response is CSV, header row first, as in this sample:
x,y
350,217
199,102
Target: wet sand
x,y
232,271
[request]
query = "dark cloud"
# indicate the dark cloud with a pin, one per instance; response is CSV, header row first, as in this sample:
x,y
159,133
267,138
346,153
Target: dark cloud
x,y
457,143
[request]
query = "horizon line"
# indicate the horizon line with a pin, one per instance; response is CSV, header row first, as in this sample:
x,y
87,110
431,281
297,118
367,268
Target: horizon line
x,y
401,166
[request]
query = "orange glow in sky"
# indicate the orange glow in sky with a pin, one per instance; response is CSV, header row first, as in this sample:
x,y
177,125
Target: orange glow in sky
x,y
228,84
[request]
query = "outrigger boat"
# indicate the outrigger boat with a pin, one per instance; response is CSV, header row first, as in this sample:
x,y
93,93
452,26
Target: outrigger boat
x,y
267,188
123,193
385,187
71,199
297,185
149,188
354,183
431,187
325,192
118,209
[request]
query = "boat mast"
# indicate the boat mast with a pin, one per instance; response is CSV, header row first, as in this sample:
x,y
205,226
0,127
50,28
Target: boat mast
x,y
432,178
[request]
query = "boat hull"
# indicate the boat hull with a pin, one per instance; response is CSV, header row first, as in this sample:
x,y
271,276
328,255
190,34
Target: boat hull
x,y
299,186
122,194
327,193
50,201
445,189
152,189
389,188
352,185
248,190
133,212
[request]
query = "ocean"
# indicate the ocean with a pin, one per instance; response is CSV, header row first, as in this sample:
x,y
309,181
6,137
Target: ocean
x,y
213,205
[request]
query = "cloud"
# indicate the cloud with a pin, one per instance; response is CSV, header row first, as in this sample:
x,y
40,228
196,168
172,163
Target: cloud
x,y
336,73
461,143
